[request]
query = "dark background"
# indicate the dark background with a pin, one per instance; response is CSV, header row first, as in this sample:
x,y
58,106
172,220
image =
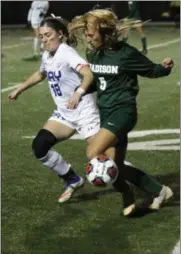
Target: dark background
x,y
15,12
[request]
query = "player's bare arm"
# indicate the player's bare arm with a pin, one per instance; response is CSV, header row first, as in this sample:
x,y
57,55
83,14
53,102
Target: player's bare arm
x,y
86,83
34,79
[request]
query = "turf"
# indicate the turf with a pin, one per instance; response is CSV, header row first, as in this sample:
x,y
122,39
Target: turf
x,y
32,220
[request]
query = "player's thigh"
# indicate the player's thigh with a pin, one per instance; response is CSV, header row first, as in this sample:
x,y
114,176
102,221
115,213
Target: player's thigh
x,y
88,124
100,142
120,121
35,26
60,130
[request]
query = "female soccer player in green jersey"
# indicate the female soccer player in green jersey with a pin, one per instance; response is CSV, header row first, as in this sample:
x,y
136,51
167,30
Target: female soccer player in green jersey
x,y
116,66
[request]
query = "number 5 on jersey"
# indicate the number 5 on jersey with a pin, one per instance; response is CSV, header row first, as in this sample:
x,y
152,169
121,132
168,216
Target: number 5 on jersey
x,y
103,83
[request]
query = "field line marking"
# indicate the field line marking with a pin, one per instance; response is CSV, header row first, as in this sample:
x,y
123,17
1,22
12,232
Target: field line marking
x,y
14,46
14,85
150,47
176,249
164,44
134,134
8,88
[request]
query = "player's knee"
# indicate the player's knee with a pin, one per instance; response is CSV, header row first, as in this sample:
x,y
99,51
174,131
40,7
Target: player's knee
x,y
42,143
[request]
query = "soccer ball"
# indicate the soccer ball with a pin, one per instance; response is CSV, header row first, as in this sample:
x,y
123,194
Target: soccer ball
x,y
101,171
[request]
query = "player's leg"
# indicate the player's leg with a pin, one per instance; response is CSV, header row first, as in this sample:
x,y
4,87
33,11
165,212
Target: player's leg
x,y
52,133
143,39
126,30
143,181
125,34
126,119
103,140
88,126
118,155
36,40
101,144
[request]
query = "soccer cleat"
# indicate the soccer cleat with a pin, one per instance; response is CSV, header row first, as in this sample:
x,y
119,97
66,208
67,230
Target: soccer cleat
x,y
165,194
129,206
70,189
128,211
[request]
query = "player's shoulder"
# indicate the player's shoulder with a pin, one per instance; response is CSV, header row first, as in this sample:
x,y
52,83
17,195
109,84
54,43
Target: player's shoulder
x,y
126,48
65,46
65,50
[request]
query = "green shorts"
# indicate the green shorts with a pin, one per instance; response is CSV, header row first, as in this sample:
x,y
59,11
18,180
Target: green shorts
x,y
119,121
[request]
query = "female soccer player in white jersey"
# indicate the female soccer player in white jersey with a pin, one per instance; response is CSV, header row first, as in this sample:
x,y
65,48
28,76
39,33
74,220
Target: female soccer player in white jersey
x,y
35,16
65,71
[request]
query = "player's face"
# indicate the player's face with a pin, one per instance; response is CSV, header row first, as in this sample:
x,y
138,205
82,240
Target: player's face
x,y
49,37
93,37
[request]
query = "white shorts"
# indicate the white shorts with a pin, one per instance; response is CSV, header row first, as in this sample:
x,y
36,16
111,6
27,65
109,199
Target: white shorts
x,y
35,25
86,124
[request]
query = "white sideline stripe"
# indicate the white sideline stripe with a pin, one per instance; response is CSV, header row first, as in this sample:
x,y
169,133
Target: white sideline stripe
x,y
8,88
134,134
75,136
164,44
12,87
14,45
150,47
176,249
155,145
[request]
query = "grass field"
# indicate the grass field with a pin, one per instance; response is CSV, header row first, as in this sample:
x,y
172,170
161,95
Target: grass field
x,y
32,220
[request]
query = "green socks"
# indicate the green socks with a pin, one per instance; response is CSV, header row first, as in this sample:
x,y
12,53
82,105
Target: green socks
x,y
125,189
142,180
144,43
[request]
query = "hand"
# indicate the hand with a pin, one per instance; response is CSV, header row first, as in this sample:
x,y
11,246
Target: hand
x,y
168,63
13,95
74,100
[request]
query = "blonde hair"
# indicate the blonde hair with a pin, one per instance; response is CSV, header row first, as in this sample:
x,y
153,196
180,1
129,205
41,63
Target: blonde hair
x,y
102,20
105,21
105,18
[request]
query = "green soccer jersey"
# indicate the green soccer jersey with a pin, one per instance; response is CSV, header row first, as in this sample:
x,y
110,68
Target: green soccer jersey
x,y
115,74
134,10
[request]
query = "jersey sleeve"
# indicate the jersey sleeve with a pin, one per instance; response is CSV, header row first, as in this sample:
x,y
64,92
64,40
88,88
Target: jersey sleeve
x,y
139,64
74,60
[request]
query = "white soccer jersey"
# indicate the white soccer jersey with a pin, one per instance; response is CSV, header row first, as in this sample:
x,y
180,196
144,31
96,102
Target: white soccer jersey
x,y
61,72
37,7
